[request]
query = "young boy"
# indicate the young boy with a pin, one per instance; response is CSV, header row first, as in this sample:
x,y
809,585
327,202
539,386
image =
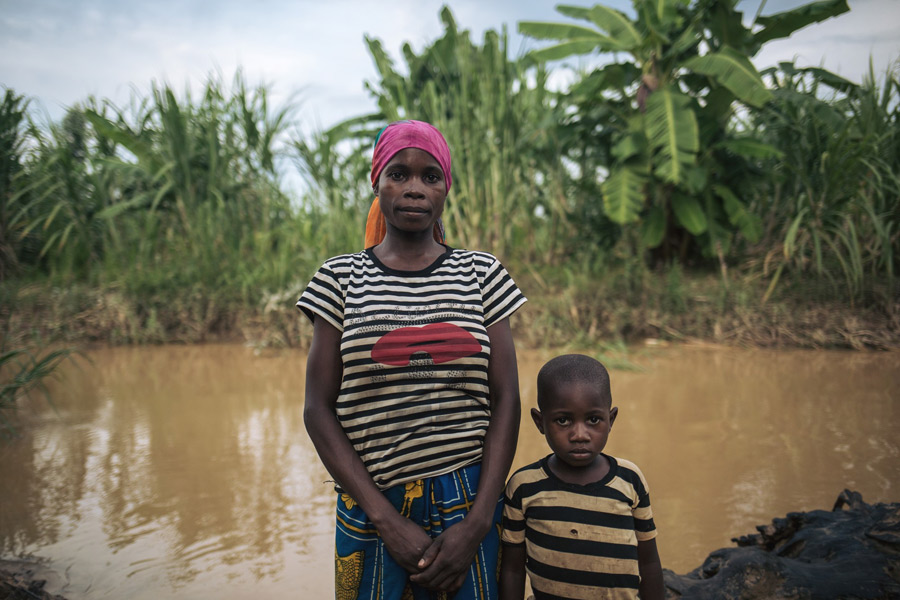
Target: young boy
x,y
578,521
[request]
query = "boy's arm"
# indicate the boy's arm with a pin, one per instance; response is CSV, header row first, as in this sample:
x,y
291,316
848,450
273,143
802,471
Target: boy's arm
x,y
512,572
652,586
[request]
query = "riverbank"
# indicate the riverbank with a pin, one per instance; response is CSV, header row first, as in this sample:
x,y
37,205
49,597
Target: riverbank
x,y
26,580
850,551
573,310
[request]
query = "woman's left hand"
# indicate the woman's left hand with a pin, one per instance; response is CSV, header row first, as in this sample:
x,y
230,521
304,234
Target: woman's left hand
x,y
446,561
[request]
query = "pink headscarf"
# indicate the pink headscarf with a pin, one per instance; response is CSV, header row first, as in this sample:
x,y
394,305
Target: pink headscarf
x,y
398,136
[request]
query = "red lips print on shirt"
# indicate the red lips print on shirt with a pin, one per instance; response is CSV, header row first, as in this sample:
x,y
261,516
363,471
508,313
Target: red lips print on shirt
x,y
442,341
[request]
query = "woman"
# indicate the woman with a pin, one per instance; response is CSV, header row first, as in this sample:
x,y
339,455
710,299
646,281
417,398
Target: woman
x,y
412,397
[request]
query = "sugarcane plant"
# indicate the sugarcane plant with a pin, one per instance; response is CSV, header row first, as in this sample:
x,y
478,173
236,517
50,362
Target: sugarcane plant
x,y
508,192
831,204
12,139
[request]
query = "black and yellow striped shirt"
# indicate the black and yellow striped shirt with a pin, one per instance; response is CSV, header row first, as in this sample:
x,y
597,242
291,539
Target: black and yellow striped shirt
x,y
579,539
414,398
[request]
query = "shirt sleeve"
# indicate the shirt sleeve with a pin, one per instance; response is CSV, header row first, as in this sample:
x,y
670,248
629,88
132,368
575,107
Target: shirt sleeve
x,y
501,295
324,297
644,527
513,518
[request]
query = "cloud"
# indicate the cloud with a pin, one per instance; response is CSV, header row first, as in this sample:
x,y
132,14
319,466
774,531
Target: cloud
x,y
62,51
843,44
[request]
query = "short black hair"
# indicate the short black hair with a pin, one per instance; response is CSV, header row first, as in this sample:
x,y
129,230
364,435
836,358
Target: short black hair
x,y
571,368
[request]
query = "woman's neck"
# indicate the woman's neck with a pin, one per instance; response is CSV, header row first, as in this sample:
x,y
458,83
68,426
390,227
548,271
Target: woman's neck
x,y
408,252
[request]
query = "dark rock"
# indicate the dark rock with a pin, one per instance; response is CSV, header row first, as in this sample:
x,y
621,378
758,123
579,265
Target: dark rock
x,y
850,552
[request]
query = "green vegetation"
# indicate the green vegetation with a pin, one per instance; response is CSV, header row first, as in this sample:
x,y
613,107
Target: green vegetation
x,y
671,192
664,116
664,170
497,117
831,203
20,373
165,218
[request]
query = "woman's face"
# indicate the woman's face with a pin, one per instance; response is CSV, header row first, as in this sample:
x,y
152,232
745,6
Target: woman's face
x,y
411,190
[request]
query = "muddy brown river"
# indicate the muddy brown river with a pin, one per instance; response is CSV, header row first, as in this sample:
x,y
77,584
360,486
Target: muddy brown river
x,y
185,472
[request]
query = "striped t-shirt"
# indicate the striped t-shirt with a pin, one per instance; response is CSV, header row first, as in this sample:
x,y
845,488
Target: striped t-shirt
x,y
579,538
414,398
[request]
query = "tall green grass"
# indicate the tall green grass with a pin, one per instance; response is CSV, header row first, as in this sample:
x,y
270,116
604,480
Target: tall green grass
x,y
830,204
13,112
170,200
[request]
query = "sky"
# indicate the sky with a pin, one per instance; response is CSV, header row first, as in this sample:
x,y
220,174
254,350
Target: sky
x,y
58,52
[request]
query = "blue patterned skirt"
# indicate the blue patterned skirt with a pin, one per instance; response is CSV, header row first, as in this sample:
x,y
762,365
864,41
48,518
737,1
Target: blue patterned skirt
x,y
364,570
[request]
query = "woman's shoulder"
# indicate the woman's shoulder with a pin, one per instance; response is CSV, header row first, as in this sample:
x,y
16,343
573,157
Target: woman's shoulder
x,y
346,261
472,253
477,258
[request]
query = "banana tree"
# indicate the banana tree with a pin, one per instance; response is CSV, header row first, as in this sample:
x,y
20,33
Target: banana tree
x,y
665,107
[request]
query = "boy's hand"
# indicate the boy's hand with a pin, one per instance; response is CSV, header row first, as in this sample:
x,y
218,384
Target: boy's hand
x,y
446,562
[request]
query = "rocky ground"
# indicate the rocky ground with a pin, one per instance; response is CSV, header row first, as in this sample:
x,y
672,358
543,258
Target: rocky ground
x,y
852,551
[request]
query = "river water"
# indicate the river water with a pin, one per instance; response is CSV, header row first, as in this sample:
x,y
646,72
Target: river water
x,y
185,472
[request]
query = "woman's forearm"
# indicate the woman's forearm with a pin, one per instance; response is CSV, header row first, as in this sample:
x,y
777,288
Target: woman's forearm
x,y
405,541
503,431
499,450
324,371
344,464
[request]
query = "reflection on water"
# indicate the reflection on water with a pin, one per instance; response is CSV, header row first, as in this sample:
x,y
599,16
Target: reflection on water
x,y
174,472
170,470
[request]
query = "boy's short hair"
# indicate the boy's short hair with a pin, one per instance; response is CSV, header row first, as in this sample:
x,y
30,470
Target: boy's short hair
x,y
571,368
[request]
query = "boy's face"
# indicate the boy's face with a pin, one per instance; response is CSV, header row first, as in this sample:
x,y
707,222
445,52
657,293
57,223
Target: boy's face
x,y
576,421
